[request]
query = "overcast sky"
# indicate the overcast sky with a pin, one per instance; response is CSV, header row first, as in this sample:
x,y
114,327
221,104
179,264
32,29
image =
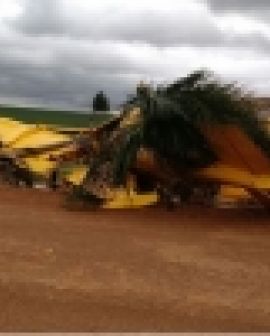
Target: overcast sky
x,y
60,52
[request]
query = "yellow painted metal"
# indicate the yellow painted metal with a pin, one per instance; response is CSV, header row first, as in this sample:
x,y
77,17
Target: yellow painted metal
x,y
41,138
235,176
10,130
77,175
128,197
40,165
123,198
65,150
231,192
73,130
232,196
16,135
43,163
242,165
131,184
266,124
234,148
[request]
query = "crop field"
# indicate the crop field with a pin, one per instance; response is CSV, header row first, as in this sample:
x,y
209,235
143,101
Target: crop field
x,y
53,117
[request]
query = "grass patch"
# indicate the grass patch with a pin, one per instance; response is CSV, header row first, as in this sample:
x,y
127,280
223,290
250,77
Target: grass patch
x,y
52,117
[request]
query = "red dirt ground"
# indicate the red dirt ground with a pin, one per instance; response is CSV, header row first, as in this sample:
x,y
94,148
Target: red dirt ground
x,y
147,270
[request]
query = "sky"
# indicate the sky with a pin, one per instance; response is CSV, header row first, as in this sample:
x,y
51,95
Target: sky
x,y
61,52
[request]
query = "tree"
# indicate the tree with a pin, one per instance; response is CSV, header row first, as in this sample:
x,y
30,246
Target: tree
x,y
101,102
172,116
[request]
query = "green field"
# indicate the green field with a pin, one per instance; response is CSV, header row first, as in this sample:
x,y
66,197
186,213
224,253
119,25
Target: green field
x,y
58,118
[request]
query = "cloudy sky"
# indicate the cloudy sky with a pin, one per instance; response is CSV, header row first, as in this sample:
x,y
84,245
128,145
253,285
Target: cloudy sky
x,y
60,52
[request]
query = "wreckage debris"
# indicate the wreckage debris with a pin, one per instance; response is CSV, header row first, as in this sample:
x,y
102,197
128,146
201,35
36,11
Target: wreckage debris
x,y
193,141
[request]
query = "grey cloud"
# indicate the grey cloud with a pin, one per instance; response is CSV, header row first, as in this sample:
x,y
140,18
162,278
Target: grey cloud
x,y
52,56
41,17
57,86
48,18
259,9
67,73
243,5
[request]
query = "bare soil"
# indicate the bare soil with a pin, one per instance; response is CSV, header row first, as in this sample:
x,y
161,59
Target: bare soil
x,y
143,270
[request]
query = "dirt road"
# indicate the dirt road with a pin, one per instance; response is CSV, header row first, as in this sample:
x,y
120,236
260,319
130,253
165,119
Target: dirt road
x,y
146,270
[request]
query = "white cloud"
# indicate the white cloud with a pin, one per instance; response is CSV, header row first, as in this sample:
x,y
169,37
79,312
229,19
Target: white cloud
x,y
9,9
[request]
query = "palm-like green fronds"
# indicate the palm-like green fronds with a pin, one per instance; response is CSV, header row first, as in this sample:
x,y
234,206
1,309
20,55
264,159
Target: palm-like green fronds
x,y
205,100
173,115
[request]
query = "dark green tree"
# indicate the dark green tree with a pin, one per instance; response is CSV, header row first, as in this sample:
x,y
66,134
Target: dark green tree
x,y
101,102
172,117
